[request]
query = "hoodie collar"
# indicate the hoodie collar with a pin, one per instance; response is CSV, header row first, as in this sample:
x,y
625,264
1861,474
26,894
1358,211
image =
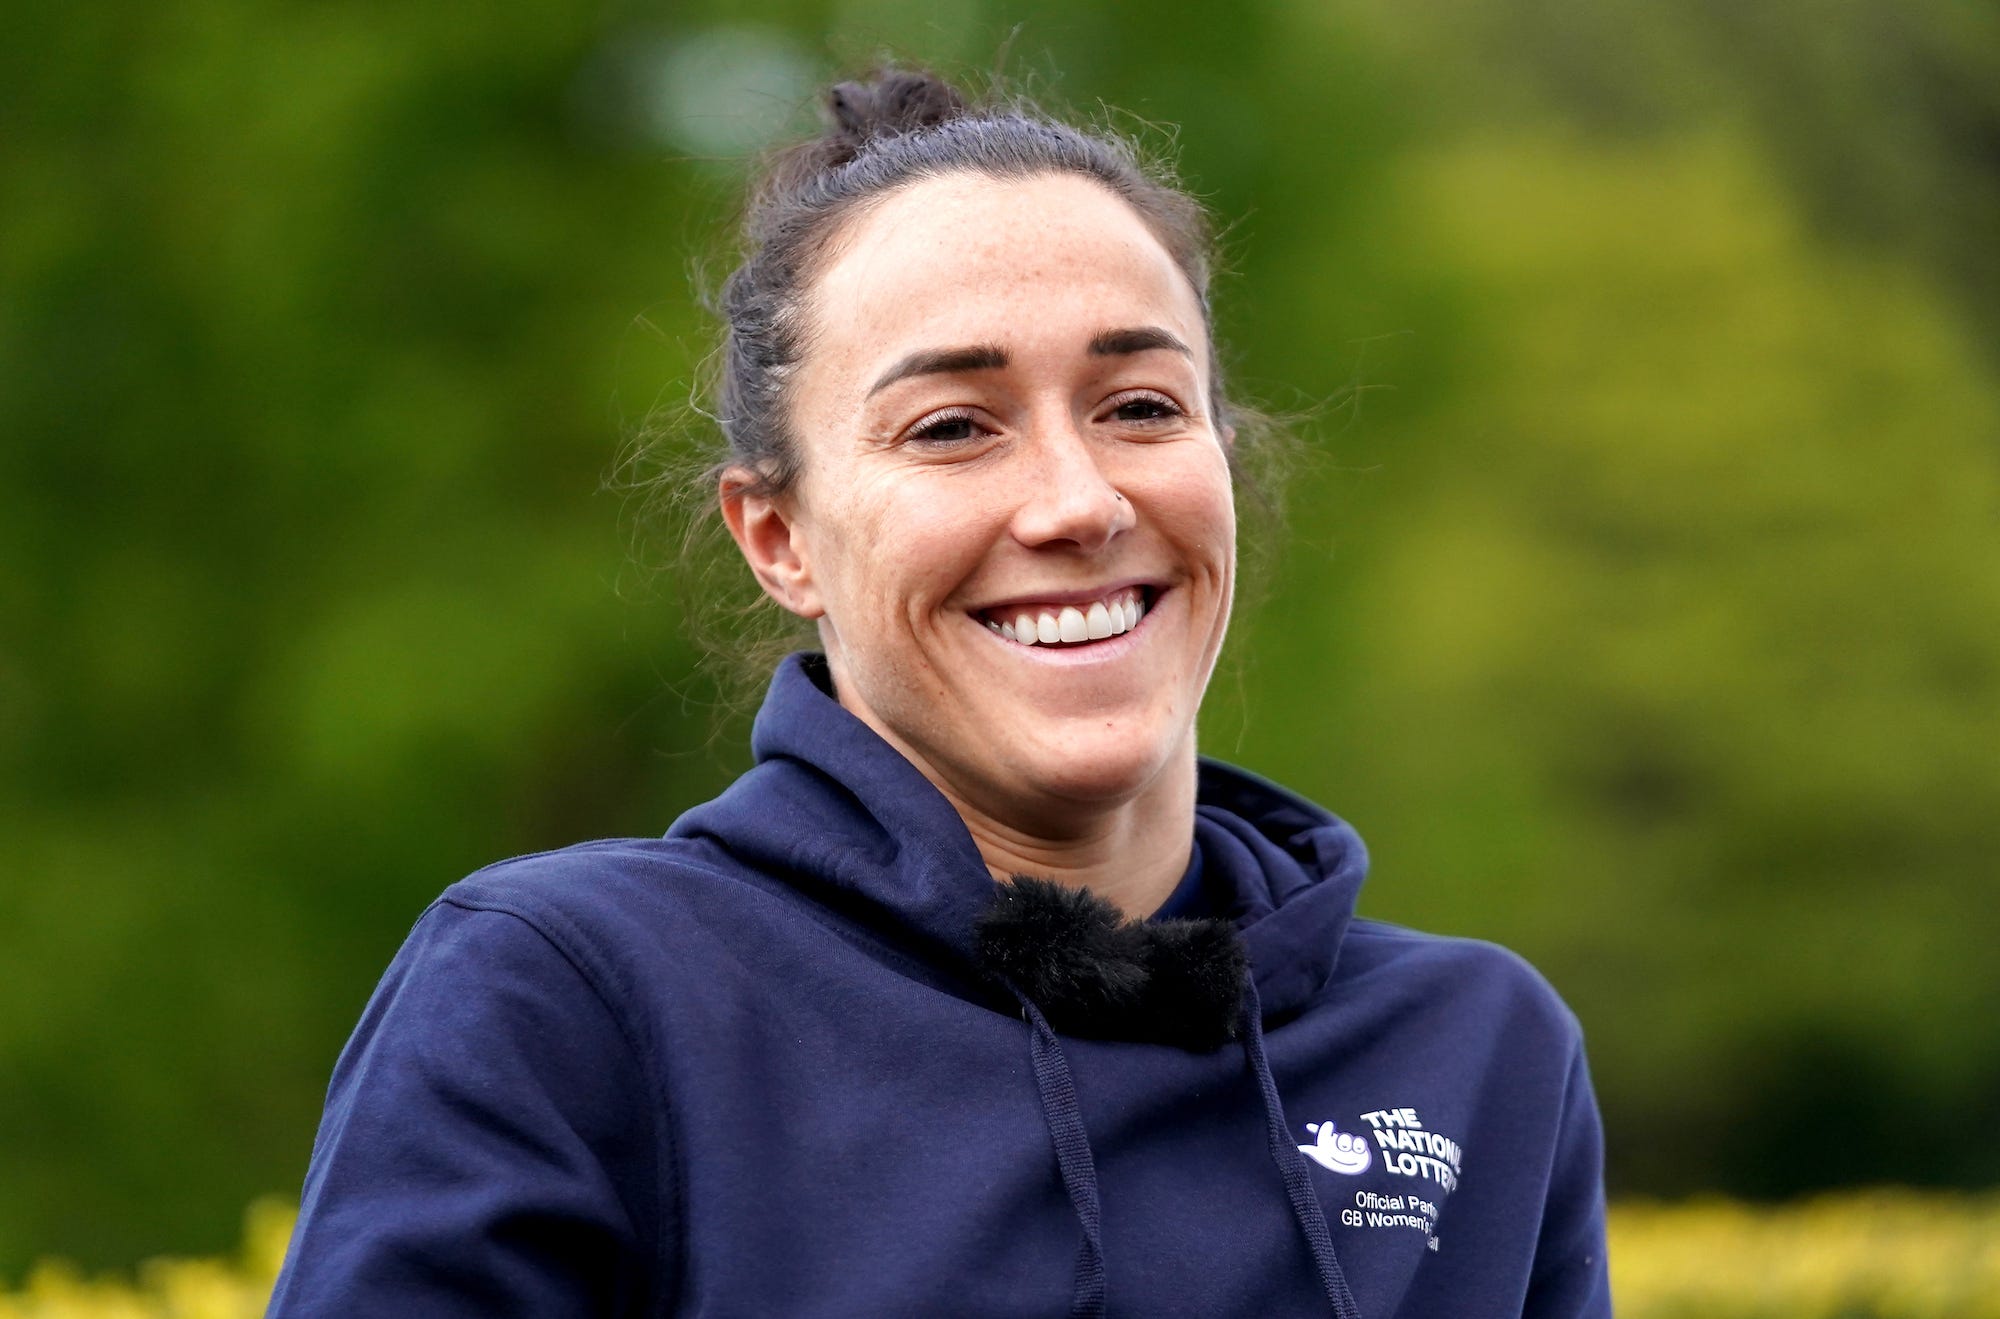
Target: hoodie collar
x,y
1295,870
834,811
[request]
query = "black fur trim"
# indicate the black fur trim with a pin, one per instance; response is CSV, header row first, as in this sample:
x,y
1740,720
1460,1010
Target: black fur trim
x,y
1095,974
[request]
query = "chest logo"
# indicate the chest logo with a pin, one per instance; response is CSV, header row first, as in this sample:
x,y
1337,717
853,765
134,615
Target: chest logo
x,y
1409,1149
1336,1150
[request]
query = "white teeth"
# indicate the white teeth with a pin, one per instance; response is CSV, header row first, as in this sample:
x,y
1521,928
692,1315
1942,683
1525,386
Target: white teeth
x,y
1073,624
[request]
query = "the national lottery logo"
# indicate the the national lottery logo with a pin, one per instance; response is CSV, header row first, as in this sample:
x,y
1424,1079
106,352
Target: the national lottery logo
x,y
1337,1151
1409,1149
1397,1141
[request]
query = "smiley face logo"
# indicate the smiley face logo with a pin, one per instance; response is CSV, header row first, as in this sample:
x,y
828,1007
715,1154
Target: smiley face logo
x,y
1336,1151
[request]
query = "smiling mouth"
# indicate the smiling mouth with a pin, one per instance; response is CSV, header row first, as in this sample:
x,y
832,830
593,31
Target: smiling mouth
x,y
1069,625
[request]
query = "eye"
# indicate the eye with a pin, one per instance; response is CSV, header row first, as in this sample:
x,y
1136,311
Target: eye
x,y
1145,407
944,429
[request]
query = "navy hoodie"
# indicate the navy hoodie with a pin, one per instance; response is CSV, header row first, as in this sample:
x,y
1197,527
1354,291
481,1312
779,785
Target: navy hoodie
x,y
751,1069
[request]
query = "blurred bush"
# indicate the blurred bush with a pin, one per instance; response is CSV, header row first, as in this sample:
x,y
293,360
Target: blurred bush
x,y
1866,1255
1887,1254
167,1288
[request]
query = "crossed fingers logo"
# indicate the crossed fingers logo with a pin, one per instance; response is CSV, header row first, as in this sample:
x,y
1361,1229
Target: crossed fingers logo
x,y
1336,1150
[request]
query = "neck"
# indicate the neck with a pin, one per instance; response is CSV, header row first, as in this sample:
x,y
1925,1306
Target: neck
x,y
1130,851
1132,854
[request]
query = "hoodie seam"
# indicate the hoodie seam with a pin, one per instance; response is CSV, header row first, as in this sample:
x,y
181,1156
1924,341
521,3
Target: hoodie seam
x,y
664,1137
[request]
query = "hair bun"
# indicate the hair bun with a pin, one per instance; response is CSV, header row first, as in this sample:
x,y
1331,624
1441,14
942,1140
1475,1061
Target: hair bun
x,y
893,101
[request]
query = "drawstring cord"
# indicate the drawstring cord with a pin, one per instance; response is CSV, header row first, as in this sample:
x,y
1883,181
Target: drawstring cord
x,y
1079,1170
1292,1164
1064,1120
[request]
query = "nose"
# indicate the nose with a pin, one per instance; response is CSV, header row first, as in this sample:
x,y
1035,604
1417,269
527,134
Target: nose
x,y
1068,497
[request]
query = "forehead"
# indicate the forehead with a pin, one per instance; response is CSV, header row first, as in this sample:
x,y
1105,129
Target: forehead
x,y
966,259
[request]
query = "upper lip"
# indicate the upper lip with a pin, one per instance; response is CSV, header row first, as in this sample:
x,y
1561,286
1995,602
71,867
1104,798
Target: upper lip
x,y
1079,596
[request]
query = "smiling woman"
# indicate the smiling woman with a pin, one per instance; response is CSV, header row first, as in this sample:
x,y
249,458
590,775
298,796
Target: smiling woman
x,y
981,993
1035,450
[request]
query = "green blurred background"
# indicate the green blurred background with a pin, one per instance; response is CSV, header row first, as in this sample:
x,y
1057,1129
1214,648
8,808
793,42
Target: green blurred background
x,y
1641,601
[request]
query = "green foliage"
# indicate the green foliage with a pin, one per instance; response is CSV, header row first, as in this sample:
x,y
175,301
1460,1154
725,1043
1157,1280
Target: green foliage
x,y
1643,610
1675,660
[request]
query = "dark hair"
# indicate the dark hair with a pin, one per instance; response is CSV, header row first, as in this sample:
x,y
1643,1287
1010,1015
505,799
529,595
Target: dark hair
x,y
895,128
898,128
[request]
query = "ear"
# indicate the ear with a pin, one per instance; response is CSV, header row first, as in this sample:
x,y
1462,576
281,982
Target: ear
x,y
766,528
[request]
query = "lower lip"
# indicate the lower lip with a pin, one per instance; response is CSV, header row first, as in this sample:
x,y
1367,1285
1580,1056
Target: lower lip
x,y
1097,652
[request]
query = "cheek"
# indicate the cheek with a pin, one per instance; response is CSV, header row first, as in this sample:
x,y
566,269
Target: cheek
x,y
1196,509
900,551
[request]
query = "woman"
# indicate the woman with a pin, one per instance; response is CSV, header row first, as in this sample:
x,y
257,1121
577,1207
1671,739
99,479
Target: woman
x,y
979,994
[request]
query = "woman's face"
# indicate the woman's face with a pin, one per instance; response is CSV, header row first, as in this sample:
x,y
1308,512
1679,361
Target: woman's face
x,y
1006,454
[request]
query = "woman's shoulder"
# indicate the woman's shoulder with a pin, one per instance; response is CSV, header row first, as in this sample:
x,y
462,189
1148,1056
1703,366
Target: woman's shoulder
x,y
1477,974
555,940
575,878
597,901
584,875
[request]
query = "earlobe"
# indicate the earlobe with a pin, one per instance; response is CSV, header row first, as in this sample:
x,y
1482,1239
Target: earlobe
x,y
766,529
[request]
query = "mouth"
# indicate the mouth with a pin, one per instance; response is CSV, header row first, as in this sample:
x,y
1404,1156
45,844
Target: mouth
x,y
1070,625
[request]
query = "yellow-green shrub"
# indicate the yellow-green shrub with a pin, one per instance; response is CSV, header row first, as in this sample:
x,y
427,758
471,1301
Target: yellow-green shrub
x,y
1887,1254
167,1288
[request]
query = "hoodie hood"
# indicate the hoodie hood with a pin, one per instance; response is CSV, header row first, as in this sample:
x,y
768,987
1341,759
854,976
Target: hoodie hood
x,y
867,834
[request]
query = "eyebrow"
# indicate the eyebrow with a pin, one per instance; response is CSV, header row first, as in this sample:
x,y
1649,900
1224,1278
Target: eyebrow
x,y
942,361
990,357
1144,339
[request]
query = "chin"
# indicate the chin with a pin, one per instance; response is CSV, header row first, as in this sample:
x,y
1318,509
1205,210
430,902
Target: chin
x,y
1105,768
